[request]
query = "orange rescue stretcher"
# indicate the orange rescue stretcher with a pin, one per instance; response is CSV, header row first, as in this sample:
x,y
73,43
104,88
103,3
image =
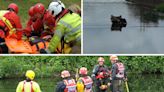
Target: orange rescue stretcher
x,y
22,46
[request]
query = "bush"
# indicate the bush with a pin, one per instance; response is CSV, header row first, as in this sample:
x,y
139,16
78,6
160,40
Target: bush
x,y
48,66
160,8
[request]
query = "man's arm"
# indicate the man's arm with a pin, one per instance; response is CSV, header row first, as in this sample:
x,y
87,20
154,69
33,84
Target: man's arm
x,y
94,72
114,68
56,39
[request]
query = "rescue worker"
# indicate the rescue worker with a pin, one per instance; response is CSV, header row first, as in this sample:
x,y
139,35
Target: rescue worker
x,y
67,33
35,29
35,24
84,83
10,24
28,85
68,84
100,75
118,74
29,28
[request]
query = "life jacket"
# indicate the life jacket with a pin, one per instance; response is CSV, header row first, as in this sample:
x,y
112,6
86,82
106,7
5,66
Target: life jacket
x,y
70,85
23,90
120,70
87,83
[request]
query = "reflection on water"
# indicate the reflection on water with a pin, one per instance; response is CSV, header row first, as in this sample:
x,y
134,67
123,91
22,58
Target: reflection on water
x,y
137,83
146,83
146,14
146,2
143,33
118,23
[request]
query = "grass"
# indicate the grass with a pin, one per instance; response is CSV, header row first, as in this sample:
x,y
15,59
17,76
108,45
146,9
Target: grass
x,y
24,5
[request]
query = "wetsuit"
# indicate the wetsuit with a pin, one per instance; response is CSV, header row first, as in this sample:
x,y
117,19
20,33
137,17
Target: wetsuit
x,y
117,82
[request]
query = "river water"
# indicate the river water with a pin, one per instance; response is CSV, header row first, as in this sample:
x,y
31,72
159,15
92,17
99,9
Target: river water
x,y
46,84
137,83
142,35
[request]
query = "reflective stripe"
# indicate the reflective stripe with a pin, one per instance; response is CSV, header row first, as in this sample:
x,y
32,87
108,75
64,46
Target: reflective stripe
x,y
74,29
70,27
58,32
88,83
120,70
71,32
23,90
70,85
78,39
66,24
9,25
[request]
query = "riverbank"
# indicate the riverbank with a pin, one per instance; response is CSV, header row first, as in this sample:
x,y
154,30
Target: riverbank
x,y
160,9
137,83
50,66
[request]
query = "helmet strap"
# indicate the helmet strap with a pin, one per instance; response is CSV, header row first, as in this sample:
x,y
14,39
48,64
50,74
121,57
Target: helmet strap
x,y
43,14
10,9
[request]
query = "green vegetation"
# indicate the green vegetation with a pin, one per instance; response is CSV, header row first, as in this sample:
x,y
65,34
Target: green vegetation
x,y
160,8
49,66
24,5
146,83
144,64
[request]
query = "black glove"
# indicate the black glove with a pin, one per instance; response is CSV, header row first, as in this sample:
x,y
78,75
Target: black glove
x,y
43,51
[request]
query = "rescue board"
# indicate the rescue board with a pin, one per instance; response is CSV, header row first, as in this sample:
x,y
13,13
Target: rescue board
x,y
18,46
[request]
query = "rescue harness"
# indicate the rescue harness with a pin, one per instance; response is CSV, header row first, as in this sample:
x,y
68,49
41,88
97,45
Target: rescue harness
x,y
23,90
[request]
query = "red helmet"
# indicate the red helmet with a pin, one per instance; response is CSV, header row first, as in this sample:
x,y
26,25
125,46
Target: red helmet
x,y
48,19
65,73
14,7
83,71
31,11
39,8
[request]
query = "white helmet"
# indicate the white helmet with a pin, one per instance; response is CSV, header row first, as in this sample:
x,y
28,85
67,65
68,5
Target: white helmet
x,y
56,7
